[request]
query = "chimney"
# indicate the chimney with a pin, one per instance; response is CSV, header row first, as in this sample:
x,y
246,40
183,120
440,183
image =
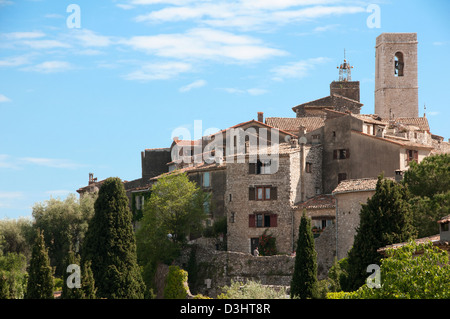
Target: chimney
x,y
398,175
92,179
175,138
261,117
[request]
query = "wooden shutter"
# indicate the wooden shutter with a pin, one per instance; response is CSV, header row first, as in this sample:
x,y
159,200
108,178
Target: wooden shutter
x,y
251,193
335,154
273,193
273,220
252,168
252,220
416,156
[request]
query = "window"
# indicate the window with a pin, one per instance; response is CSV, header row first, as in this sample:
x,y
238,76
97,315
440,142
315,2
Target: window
x,y
232,217
262,193
412,155
206,179
260,220
341,154
342,177
260,167
444,226
308,168
318,191
399,64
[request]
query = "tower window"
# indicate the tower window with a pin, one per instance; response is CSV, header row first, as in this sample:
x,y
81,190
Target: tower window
x,y
399,64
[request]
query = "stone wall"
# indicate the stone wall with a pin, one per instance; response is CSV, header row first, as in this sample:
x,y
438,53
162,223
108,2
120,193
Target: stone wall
x,y
216,269
347,219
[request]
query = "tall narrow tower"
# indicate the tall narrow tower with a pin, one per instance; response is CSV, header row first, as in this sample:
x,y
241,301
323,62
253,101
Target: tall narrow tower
x,y
396,85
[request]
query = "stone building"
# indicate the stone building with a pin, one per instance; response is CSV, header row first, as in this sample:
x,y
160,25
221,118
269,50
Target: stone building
x,y
324,160
396,78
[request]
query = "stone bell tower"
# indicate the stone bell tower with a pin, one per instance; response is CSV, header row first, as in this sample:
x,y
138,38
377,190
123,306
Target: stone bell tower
x,y
396,85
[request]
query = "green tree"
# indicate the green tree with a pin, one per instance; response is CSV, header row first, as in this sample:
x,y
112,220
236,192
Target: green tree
x,y
64,223
304,282
174,210
71,293
40,274
87,281
110,245
18,236
385,219
429,185
413,271
13,276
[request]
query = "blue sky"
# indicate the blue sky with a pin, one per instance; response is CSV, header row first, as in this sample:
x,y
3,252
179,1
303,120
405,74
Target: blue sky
x,y
90,99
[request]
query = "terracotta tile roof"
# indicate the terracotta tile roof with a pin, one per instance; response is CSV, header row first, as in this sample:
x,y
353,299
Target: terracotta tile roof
x,y
326,102
369,118
356,185
319,201
395,140
435,239
445,219
292,124
191,169
420,122
251,122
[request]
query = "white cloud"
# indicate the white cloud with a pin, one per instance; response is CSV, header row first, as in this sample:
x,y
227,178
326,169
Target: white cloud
x,y
4,99
50,67
252,91
11,195
205,44
124,6
90,38
248,14
51,162
194,85
24,35
298,69
159,71
15,61
6,162
45,44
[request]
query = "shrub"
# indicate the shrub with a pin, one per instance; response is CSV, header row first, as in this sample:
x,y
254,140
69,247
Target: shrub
x,y
176,283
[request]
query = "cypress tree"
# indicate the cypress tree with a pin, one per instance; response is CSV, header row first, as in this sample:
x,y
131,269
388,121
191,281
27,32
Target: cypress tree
x,y
304,279
385,219
88,282
110,245
71,293
40,273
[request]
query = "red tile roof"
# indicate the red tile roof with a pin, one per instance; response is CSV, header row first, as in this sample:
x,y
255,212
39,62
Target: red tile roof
x,y
317,202
292,124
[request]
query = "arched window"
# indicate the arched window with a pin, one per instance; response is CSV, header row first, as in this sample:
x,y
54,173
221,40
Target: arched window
x,y
399,64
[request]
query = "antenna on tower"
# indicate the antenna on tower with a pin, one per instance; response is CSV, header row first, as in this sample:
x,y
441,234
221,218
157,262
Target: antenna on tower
x,y
345,70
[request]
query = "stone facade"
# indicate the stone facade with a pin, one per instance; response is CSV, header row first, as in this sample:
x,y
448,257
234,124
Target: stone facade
x,y
396,79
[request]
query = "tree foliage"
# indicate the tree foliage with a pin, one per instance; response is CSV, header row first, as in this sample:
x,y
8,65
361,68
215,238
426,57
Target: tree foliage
x,y
385,219
13,276
110,245
64,223
413,271
174,210
40,273
304,279
429,184
176,284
